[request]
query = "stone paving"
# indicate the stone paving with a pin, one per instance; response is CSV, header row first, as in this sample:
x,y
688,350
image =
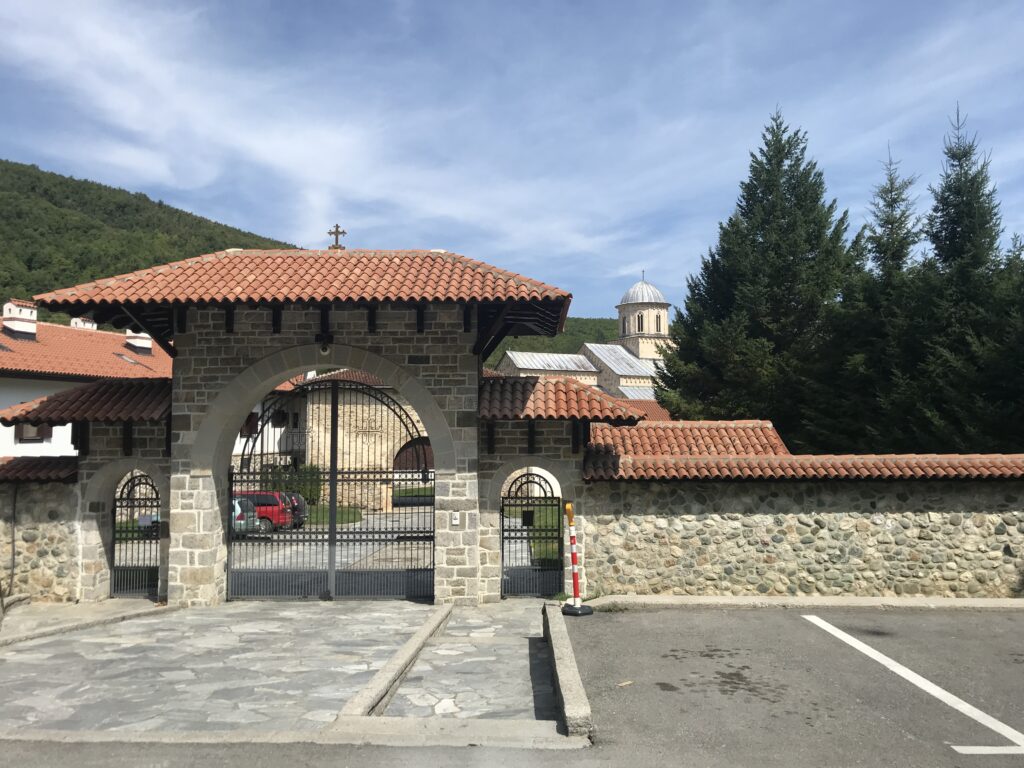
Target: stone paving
x,y
490,662
270,665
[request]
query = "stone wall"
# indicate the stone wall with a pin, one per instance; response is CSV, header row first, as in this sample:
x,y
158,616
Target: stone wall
x,y
46,553
941,538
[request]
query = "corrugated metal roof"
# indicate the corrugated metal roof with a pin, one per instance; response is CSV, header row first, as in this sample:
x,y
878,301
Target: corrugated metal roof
x,y
550,361
638,393
620,360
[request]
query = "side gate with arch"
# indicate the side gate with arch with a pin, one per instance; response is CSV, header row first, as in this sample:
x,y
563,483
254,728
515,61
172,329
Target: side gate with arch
x,y
135,556
531,537
319,506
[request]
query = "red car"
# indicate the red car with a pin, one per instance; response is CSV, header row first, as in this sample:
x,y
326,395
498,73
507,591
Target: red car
x,y
273,508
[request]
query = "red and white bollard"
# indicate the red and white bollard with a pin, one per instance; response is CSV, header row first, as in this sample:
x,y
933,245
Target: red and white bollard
x,y
575,607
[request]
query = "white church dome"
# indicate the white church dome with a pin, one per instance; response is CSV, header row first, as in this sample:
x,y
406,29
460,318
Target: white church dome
x,y
643,293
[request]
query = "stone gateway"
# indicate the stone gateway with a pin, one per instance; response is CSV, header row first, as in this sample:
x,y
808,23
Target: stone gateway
x,y
662,506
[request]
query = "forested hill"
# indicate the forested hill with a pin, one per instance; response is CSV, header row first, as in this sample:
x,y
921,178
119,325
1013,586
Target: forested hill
x,y
577,331
57,231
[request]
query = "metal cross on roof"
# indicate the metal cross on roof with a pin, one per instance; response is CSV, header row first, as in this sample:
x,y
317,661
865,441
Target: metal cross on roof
x,y
337,233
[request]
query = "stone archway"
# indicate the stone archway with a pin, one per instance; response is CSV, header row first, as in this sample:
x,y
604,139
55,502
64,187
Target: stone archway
x,y
201,458
211,448
96,531
565,471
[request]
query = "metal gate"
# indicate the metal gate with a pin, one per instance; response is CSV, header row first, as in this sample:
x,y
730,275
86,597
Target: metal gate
x,y
319,508
135,560
531,537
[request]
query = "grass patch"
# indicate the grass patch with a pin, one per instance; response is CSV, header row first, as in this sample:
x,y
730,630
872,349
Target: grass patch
x,y
319,515
547,518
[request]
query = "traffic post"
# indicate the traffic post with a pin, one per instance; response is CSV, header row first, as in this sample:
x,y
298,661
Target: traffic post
x,y
574,607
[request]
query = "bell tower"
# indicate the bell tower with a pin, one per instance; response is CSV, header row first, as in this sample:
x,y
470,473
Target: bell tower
x,y
643,320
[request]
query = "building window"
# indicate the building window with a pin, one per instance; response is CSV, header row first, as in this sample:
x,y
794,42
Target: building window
x,y
624,331
251,425
30,433
657,322
639,322
295,420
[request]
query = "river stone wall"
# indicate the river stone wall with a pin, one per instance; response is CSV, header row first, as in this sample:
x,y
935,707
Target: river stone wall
x,y
46,551
933,538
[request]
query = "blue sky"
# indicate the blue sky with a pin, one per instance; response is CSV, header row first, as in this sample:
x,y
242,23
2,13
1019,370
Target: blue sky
x,y
576,142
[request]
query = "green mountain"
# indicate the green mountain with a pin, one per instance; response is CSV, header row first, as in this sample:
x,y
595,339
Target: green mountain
x,y
577,331
57,231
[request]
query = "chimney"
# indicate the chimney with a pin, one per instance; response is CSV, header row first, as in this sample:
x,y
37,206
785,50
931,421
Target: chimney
x,y
20,317
139,342
85,323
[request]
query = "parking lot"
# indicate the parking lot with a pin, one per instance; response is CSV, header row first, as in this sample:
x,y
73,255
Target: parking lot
x,y
767,687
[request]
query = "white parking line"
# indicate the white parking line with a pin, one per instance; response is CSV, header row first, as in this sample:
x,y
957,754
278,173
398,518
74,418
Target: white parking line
x,y
942,695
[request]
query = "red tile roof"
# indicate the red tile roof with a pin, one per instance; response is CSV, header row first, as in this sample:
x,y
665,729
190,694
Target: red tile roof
x,y
39,469
305,275
651,409
753,450
603,465
690,438
107,400
532,397
79,353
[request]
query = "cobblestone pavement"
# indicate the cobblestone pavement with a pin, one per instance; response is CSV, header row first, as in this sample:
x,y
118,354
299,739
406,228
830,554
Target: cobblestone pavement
x,y
273,665
490,662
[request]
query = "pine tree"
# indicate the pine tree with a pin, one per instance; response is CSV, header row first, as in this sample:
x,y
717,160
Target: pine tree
x,y
749,339
890,350
957,324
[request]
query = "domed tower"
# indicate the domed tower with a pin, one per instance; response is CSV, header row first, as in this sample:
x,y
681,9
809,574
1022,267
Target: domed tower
x,y
643,320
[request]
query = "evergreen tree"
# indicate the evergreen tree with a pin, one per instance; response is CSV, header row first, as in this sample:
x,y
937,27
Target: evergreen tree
x,y
890,350
749,339
958,323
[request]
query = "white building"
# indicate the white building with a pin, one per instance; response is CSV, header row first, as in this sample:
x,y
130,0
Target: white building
x,y
38,359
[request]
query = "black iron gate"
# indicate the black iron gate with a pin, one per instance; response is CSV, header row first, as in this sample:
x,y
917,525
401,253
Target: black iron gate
x,y
135,559
320,508
531,537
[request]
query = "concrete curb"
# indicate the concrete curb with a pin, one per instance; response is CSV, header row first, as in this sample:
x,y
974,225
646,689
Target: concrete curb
x,y
369,731
648,602
375,695
569,690
63,629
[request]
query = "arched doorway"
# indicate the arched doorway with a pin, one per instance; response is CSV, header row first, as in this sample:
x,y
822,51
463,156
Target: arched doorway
x,y
317,506
531,536
135,555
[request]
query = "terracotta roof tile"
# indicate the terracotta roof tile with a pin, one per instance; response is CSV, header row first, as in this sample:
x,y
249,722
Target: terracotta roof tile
x,y
308,275
62,351
691,438
651,409
532,397
107,400
39,469
753,451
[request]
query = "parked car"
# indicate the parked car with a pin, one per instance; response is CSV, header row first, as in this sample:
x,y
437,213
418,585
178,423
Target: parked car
x,y
243,517
299,512
273,508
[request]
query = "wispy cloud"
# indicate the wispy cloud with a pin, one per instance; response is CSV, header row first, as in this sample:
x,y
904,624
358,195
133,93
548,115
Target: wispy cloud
x,y
576,142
